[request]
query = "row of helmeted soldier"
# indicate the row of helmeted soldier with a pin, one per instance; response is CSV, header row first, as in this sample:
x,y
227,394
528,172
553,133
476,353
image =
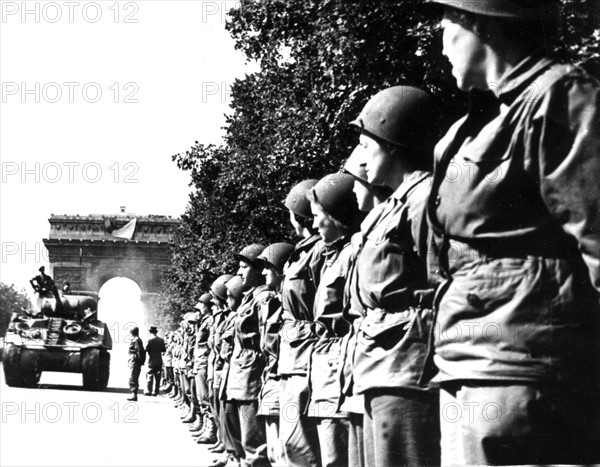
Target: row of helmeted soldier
x,y
426,316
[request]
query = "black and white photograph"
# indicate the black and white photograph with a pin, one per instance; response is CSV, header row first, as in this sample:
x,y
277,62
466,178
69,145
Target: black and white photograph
x,y
299,233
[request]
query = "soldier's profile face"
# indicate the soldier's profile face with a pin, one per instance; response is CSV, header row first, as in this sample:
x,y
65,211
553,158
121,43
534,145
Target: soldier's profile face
x,y
377,159
323,222
295,224
464,49
232,302
249,274
272,278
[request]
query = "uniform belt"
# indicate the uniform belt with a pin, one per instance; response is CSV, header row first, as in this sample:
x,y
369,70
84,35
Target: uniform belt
x,y
462,253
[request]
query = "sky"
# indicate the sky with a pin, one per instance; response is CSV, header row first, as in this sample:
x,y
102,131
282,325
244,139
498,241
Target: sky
x,y
96,98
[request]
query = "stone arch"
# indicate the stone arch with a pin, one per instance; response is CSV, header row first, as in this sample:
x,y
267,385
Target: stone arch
x,y
113,269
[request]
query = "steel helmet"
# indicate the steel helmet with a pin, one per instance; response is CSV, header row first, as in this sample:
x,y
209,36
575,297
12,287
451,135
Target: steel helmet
x,y
206,298
296,200
403,116
334,193
250,254
517,9
235,287
276,255
218,286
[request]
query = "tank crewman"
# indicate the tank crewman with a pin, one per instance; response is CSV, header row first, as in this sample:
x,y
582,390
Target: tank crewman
x,y
337,217
44,285
154,348
390,287
204,316
137,358
230,421
212,429
301,275
519,243
367,196
247,362
273,258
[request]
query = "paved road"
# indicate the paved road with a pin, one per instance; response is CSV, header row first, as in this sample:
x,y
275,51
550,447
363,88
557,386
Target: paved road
x,y
59,424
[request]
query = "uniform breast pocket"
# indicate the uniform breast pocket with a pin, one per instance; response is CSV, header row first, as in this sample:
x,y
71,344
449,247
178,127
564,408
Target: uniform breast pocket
x,y
384,232
484,162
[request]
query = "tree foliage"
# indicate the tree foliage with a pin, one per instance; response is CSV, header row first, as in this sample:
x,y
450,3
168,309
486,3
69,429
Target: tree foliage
x,y
320,60
11,301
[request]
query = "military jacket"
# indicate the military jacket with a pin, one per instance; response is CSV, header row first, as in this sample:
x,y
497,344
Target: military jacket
x,y
247,361
514,207
302,274
392,288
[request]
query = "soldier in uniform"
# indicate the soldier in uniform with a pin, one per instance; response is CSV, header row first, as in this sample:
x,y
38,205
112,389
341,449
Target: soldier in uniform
x,y
190,406
337,217
301,275
515,209
230,420
390,287
367,196
274,258
247,362
154,348
44,285
137,358
204,316
212,426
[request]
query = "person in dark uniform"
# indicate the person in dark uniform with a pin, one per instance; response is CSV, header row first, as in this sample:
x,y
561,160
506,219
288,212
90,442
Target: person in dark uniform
x,y
43,284
154,348
515,206
137,358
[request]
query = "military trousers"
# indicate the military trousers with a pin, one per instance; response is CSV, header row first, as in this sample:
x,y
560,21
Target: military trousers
x,y
202,393
401,427
251,434
134,376
511,423
298,432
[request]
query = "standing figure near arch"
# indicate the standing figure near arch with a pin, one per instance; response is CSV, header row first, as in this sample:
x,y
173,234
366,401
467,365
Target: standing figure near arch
x,y
519,243
137,358
155,349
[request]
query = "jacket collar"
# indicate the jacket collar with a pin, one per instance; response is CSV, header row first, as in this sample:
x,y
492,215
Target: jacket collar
x,y
516,80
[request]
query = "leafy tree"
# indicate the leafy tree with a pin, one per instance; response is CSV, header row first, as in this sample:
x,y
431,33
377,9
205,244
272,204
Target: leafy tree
x,y
11,301
320,60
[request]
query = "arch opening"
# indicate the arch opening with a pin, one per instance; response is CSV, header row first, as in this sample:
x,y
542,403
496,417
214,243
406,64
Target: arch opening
x,y
121,308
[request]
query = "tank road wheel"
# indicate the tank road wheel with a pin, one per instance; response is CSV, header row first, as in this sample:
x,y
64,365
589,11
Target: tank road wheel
x,y
90,369
104,369
14,375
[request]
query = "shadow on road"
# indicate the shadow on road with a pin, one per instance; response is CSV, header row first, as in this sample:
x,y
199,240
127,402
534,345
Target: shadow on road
x,y
62,387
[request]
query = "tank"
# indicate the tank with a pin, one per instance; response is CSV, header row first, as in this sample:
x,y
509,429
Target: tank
x,y
61,334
